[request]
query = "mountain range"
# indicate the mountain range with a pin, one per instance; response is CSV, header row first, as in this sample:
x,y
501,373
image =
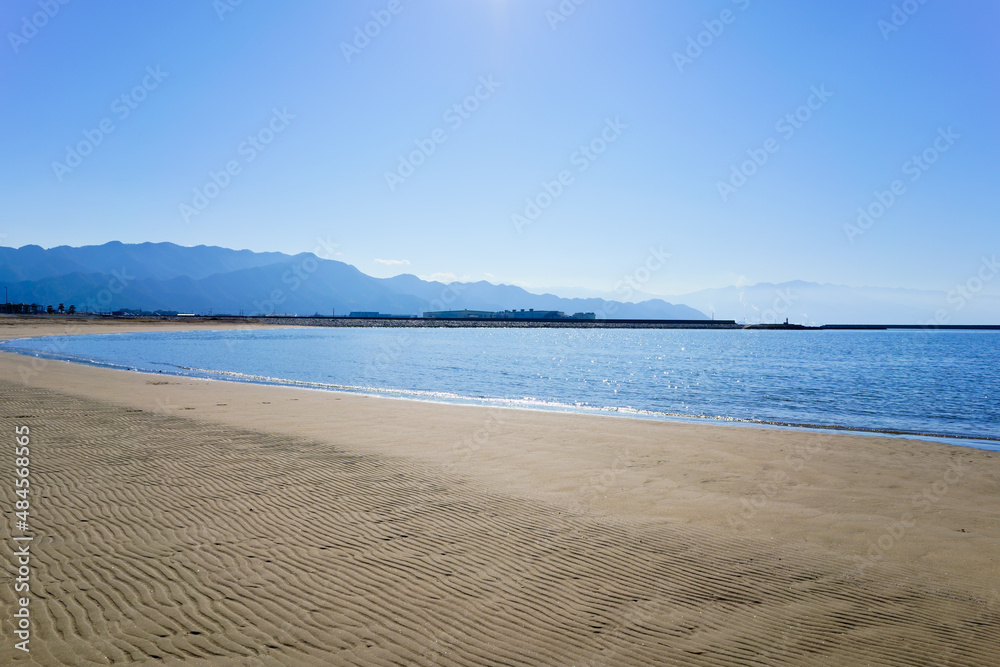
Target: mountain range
x,y
208,279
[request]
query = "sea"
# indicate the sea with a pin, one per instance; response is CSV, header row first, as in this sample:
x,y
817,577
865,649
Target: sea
x,y
939,385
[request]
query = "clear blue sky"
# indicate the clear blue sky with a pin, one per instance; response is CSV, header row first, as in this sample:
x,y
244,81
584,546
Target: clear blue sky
x,y
323,176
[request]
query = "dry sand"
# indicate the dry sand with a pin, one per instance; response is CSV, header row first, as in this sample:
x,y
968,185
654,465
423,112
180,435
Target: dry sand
x,y
220,523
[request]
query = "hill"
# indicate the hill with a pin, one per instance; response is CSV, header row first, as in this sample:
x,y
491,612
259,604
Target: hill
x,y
209,279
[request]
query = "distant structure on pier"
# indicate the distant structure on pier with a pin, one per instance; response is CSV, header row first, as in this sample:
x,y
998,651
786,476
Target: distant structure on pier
x,y
371,314
530,314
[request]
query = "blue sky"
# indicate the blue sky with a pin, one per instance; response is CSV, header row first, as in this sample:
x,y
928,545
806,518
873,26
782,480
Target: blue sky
x,y
310,129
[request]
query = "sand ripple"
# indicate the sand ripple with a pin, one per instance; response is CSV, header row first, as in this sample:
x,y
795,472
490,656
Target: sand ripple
x,y
170,540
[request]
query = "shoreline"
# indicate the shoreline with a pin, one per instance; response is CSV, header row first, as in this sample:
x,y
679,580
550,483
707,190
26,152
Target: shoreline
x,y
295,526
412,321
72,374
987,443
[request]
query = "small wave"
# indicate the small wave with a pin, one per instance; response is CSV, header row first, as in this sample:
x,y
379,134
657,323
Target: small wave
x,y
548,405
523,402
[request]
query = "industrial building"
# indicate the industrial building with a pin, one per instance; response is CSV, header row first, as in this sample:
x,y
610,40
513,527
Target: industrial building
x,y
462,314
529,314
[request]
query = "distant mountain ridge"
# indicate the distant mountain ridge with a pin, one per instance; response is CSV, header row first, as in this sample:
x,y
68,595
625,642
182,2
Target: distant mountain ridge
x,y
204,279
146,260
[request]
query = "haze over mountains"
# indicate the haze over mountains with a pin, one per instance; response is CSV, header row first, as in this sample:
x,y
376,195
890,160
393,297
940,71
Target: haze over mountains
x,y
812,303
208,279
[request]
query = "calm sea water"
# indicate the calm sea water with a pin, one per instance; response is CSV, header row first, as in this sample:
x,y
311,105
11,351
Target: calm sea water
x,y
929,382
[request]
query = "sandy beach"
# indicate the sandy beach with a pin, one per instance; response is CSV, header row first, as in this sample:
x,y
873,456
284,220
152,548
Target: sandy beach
x,y
217,523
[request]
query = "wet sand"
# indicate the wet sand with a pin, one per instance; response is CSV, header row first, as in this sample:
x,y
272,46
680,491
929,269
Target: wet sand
x,y
206,522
